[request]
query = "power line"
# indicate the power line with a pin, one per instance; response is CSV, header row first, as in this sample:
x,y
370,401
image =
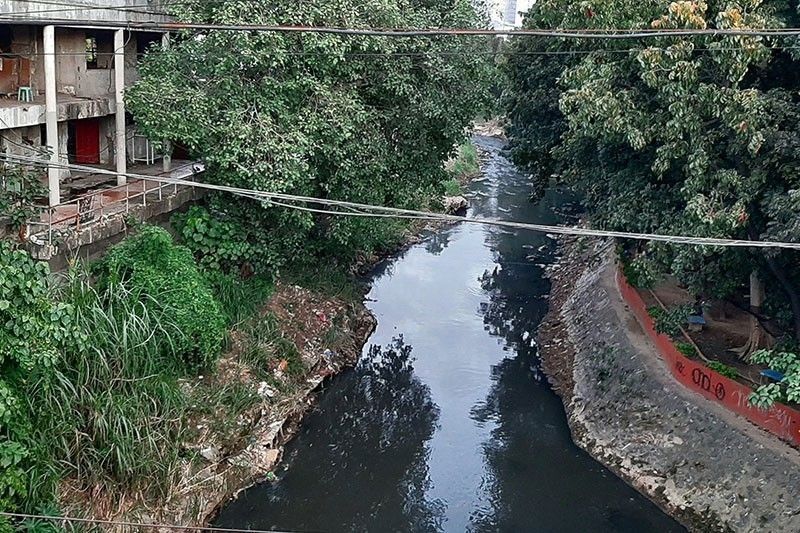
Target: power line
x,y
605,34
434,53
363,210
130,524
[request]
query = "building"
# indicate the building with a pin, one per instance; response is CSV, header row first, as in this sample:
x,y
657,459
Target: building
x,y
508,14
62,81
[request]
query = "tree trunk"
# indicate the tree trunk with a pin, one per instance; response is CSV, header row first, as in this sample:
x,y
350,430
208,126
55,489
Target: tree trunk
x,y
758,337
790,291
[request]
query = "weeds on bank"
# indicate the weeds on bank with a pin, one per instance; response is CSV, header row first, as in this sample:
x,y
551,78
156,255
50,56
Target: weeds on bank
x,y
111,413
466,164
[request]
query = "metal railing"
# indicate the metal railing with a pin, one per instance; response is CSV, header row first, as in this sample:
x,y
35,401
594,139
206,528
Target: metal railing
x,y
93,208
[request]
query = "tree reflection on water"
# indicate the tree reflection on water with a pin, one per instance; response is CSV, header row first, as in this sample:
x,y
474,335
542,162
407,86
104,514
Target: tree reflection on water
x,y
364,457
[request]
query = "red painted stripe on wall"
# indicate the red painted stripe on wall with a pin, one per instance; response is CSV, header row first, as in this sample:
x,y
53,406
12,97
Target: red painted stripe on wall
x,y
780,419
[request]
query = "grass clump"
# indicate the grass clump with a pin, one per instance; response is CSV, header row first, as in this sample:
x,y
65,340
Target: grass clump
x,y
451,187
111,415
165,276
466,163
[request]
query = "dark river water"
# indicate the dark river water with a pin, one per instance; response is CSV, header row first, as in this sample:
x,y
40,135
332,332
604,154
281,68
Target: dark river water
x,y
447,423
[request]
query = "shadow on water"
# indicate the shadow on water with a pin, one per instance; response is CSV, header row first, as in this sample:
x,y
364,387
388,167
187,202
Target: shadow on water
x,y
462,432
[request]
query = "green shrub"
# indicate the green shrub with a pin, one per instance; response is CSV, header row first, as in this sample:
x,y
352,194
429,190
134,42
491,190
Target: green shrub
x,y
451,187
466,163
686,348
722,368
113,415
788,390
640,273
669,322
33,326
19,190
238,298
165,277
217,244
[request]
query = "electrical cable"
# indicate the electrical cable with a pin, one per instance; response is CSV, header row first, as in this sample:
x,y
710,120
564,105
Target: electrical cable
x,y
463,53
130,524
416,214
605,34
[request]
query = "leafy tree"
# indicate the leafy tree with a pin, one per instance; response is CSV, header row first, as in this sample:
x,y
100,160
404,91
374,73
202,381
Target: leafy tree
x,y
33,327
683,135
19,190
367,119
788,389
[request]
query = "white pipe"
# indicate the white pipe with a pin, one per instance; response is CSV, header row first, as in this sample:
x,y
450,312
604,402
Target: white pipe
x,y
51,114
166,161
119,87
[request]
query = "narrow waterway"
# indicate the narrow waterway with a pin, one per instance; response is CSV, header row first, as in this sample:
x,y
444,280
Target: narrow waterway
x,y
447,423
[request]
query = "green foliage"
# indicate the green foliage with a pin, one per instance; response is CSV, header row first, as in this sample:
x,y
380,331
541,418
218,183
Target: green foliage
x,y
466,163
217,244
670,322
164,276
238,298
317,115
682,135
788,390
723,369
686,349
19,190
263,346
639,272
33,327
451,187
114,413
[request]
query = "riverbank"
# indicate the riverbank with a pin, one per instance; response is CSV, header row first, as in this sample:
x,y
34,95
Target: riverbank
x,y
302,338
707,467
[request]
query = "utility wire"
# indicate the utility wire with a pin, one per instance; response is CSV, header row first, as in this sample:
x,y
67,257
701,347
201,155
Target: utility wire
x,y
434,53
380,211
130,524
605,34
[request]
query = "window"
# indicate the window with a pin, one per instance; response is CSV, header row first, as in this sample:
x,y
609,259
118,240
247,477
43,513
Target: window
x,y
100,50
91,52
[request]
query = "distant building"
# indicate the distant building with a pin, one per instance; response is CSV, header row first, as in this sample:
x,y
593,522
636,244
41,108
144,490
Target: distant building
x,y
508,14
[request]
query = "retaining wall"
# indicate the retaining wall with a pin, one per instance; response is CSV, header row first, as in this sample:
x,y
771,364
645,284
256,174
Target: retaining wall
x,y
780,419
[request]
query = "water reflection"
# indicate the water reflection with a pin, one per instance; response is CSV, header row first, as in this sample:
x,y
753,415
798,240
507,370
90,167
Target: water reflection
x,y
356,463
469,437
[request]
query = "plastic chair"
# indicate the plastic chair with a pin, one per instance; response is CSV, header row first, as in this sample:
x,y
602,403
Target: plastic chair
x,y
25,94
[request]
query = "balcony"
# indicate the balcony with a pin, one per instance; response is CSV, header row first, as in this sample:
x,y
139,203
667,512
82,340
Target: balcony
x,y
16,114
97,209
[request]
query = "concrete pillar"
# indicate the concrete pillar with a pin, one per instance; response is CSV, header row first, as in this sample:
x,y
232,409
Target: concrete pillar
x,y
166,161
51,114
120,152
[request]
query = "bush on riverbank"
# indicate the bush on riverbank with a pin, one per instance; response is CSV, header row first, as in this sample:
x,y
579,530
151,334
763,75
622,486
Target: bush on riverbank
x,y
165,277
93,388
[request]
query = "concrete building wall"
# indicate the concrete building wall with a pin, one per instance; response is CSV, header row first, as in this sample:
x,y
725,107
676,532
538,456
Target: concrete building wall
x,y
77,10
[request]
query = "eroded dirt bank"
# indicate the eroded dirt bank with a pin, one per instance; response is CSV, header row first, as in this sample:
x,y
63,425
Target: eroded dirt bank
x,y
710,469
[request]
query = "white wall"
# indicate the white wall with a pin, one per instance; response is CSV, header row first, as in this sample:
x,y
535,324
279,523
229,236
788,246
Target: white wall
x,y
507,14
141,11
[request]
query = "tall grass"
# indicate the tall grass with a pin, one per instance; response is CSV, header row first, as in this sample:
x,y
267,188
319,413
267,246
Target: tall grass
x,y
467,163
112,410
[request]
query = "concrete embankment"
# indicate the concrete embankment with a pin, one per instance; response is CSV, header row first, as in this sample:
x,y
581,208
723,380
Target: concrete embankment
x,y
708,467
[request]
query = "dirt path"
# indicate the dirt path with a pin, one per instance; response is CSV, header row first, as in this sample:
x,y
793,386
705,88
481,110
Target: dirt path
x,y
710,468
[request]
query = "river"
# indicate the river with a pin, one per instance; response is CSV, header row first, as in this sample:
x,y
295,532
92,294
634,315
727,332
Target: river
x,y
447,422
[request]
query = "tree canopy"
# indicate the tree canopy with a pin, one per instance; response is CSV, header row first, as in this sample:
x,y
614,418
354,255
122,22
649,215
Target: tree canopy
x,y
366,119
680,135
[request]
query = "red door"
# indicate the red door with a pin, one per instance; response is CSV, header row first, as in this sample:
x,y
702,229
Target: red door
x,y
87,141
